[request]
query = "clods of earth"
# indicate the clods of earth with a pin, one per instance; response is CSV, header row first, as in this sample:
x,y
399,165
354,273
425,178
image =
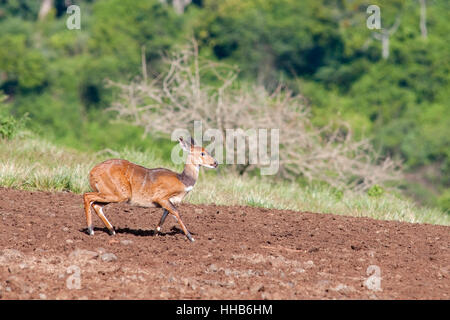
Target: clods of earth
x,y
239,253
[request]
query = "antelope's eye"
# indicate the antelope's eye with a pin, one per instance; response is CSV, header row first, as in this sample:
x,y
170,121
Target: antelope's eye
x,y
203,154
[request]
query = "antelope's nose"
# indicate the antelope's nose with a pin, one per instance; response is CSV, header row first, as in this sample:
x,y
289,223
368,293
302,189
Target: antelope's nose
x,y
216,164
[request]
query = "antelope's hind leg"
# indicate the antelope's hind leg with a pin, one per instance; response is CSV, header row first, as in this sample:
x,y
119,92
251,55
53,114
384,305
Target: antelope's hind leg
x,y
88,213
93,199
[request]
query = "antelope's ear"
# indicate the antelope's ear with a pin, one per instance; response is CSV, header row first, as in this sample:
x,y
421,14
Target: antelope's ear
x,y
183,144
193,142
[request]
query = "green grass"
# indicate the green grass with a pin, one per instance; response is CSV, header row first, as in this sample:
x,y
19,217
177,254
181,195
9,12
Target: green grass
x,y
30,163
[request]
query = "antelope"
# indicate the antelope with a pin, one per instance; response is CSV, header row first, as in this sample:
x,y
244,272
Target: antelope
x,y
119,180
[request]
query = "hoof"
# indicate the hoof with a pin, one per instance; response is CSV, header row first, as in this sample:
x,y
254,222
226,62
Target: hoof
x,y
90,231
112,232
158,229
190,237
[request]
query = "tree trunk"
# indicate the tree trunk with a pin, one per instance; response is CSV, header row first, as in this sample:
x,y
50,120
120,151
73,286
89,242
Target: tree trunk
x,y
384,37
423,18
46,6
179,5
385,45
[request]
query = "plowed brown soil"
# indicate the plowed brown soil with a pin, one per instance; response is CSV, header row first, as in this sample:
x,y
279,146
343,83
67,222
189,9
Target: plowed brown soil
x,y
239,253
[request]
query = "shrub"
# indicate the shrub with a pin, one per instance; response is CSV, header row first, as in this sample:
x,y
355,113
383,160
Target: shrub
x,y
375,191
444,201
9,126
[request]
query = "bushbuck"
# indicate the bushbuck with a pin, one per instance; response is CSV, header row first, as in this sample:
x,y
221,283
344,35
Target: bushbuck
x,y
119,180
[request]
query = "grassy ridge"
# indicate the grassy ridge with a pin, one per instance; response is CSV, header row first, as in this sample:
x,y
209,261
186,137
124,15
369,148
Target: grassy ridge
x,y
30,163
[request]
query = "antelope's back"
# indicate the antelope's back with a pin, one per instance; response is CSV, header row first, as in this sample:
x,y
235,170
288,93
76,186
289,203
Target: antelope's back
x,y
151,185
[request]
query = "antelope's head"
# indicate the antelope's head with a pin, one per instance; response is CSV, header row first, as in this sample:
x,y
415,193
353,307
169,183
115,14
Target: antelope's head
x,y
198,156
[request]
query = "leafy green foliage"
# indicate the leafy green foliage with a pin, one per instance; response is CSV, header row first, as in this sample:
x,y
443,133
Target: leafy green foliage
x,y
20,63
9,125
264,37
444,201
375,191
22,8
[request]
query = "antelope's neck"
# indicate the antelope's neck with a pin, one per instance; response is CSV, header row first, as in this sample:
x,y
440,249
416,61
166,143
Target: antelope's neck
x,y
190,173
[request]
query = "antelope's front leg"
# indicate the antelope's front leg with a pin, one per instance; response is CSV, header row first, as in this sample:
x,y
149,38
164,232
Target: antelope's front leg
x,y
166,204
163,218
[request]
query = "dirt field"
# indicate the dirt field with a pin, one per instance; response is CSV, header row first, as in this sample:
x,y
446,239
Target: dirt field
x,y
239,253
